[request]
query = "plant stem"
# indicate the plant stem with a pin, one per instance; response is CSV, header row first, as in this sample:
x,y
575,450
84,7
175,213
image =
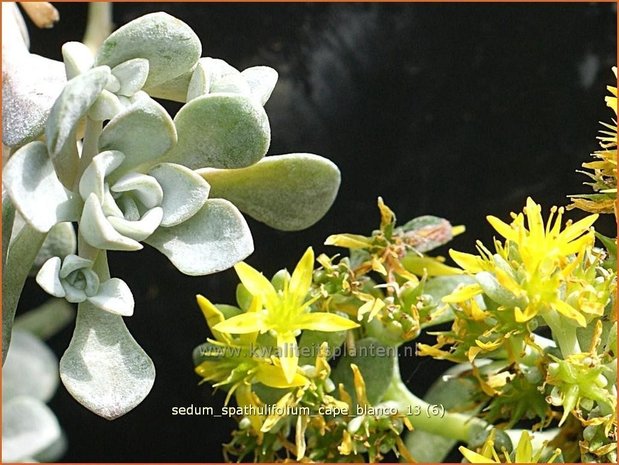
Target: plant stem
x,y
90,147
20,256
451,425
563,332
8,217
99,24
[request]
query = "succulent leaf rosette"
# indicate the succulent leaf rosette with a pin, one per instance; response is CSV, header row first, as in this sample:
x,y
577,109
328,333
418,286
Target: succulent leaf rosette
x,y
112,160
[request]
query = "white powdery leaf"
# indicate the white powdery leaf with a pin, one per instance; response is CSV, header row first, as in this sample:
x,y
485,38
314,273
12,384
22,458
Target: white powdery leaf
x,y
28,428
30,369
104,368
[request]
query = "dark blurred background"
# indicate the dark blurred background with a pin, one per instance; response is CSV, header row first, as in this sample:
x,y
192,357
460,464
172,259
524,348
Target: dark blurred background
x,y
456,110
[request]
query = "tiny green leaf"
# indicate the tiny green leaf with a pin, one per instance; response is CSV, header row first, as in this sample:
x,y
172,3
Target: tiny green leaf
x,y
170,46
214,239
221,131
114,296
287,192
104,368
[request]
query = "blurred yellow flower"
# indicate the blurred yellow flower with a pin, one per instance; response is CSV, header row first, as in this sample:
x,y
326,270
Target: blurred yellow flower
x,y
524,452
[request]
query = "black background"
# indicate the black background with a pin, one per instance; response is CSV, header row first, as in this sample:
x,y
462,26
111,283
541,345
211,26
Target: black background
x,y
457,110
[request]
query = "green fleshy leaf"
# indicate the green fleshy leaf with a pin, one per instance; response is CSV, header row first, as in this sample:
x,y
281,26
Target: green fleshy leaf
x,y
261,81
132,75
28,428
220,131
454,392
47,319
104,368
78,96
30,86
77,58
214,239
31,369
287,192
184,192
143,132
200,81
170,46
310,342
31,181
375,361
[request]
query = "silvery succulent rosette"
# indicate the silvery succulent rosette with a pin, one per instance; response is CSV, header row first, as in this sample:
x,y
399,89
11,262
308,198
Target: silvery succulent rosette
x,y
96,150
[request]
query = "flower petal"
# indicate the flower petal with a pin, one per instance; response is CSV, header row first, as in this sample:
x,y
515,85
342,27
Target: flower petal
x,y
288,354
467,261
212,240
242,324
322,321
256,283
287,192
570,312
502,228
301,279
273,376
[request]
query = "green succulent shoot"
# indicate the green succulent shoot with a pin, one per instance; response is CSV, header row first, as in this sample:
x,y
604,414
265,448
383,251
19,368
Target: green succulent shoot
x,y
111,159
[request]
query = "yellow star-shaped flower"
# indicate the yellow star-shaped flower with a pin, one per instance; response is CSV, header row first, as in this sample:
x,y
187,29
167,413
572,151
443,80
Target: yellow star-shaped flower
x,y
283,313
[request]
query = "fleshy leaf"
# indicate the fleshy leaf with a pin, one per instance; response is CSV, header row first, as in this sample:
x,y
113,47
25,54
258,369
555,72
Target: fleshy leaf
x,y
30,86
93,178
454,391
31,369
105,107
35,190
200,82
73,103
310,342
184,192
98,232
77,58
48,279
223,78
28,428
375,361
114,296
212,240
170,46
143,132
132,75
220,131
261,81
104,368
287,192
174,89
